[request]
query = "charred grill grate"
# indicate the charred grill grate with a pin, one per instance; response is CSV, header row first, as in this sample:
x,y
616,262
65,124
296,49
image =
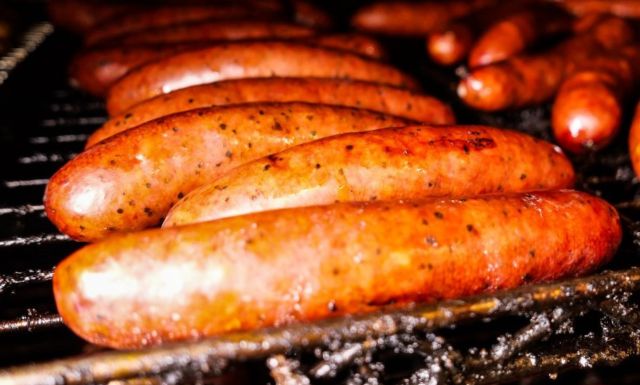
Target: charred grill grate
x,y
481,340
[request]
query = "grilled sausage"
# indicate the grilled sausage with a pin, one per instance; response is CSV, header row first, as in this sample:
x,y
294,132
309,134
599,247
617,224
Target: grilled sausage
x,y
95,70
386,164
587,111
80,16
307,13
634,141
167,15
622,8
216,30
515,33
245,60
130,181
412,18
527,80
305,264
350,93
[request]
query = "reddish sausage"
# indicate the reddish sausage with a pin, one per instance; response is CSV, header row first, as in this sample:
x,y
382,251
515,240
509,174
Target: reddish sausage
x,y
246,60
305,264
95,70
162,16
386,164
130,181
352,93
634,141
81,15
517,32
412,18
623,8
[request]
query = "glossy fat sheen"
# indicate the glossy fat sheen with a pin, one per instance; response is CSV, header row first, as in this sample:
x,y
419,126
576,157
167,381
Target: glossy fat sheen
x,y
517,32
81,15
305,264
587,111
246,60
351,93
528,80
413,19
96,69
130,181
161,16
387,164
452,45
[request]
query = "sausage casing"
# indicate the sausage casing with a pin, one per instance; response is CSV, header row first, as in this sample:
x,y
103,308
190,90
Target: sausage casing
x,y
351,93
305,264
130,181
386,164
246,60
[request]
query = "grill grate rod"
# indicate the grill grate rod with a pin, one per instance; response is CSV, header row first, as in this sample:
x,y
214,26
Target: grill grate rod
x,y
31,322
212,355
21,278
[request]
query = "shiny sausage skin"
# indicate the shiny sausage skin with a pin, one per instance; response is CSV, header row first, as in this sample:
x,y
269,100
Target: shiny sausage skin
x,y
386,164
162,16
351,93
515,33
79,16
412,18
95,70
527,80
305,264
219,30
307,13
130,181
246,60
634,141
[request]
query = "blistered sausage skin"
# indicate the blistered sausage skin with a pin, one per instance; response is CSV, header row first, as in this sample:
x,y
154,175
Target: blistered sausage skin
x,y
246,60
305,264
95,70
513,34
167,15
351,93
386,164
130,181
412,18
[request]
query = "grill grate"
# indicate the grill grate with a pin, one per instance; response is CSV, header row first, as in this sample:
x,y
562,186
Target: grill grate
x,y
537,329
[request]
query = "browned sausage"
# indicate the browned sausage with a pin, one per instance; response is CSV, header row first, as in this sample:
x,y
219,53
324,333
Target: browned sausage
x,y
452,44
81,15
130,181
515,33
587,112
351,93
623,8
634,141
307,13
246,60
412,18
95,70
527,80
216,30
305,264
385,164
162,16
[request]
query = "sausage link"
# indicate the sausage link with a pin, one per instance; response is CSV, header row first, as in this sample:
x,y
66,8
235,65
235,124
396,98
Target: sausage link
x,y
515,33
634,141
246,60
163,16
80,16
95,70
306,264
351,93
216,30
385,164
412,18
622,8
130,181
307,13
